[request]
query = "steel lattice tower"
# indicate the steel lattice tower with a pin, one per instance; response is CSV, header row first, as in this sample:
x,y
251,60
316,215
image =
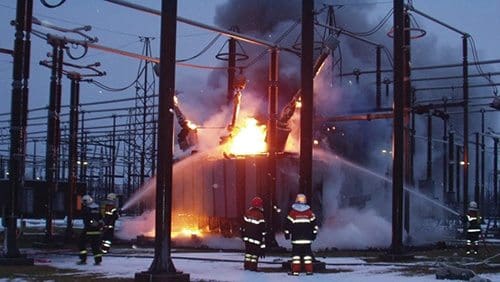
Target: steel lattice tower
x,y
143,144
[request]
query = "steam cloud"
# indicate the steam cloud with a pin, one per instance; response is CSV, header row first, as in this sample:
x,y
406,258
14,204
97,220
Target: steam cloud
x,y
346,225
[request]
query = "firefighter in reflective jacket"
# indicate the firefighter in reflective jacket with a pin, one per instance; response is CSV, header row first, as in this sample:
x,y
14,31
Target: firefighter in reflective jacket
x,y
253,232
300,226
473,228
110,215
92,225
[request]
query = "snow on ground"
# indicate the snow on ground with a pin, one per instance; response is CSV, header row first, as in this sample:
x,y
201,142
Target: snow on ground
x,y
347,269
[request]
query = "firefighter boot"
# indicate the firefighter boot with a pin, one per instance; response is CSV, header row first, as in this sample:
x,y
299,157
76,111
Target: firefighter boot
x,y
83,257
308,267
253,263
295,268
246,265
97,259
248,259
253,266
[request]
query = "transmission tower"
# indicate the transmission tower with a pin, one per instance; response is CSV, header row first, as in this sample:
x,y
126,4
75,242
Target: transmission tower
x,y
143,144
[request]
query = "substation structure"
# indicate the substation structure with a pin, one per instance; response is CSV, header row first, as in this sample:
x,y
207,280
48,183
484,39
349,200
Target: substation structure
x,y
110,146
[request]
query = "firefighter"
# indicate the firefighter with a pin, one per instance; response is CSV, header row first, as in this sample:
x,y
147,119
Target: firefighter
x,y
92,225
110,215
253,232
473,228
300,226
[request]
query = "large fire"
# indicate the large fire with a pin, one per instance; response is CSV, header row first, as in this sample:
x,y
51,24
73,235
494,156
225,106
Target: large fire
x,y
249,139
184,225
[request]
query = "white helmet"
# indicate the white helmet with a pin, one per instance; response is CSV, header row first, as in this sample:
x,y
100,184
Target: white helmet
x,y
111,197
473,205
87,200
301,198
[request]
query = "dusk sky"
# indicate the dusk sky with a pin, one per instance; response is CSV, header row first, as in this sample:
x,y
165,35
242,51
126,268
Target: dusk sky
x,y
120,27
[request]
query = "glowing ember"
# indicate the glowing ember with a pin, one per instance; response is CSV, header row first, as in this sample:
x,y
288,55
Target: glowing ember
x,y
248,140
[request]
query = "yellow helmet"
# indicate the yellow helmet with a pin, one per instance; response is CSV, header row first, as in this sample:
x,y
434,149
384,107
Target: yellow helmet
x,y
301,198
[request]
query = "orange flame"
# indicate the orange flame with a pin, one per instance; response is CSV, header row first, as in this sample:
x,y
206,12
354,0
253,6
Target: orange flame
x,y
248,139
183,226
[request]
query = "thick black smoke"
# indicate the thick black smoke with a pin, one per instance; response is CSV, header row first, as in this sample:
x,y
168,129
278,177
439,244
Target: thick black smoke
x,y
362,142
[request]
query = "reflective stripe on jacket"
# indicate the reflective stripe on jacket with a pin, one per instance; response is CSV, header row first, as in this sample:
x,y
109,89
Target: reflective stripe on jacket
x,y
300,224
254,227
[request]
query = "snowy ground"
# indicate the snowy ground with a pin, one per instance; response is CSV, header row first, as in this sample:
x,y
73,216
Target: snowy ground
x,y
227,266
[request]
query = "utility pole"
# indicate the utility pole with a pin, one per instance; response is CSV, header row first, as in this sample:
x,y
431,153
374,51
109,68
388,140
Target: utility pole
x,y
83,150
113,155
271,143
458,164
476,169
378,76
73,151
398,129
429,146
495,179
451,167
75,78
162,267
465,73
34,160
18,123
445,149
408,132
53,132
482,201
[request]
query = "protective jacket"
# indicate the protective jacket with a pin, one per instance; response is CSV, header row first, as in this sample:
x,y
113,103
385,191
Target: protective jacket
x,y
92,225
473,231
254,227
92,219
473,222
110,215
253,232
301,224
